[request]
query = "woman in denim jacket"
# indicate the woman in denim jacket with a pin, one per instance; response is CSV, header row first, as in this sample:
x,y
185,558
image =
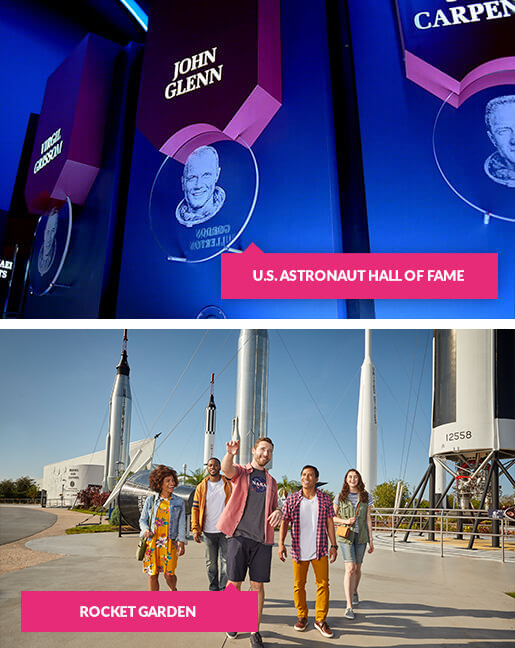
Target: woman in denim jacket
x,y
163,523
352,508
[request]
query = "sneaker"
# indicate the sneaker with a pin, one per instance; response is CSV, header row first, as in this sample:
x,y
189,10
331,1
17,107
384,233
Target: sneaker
x,y
324,629
301,624
256,641
355,599
349,613
231,635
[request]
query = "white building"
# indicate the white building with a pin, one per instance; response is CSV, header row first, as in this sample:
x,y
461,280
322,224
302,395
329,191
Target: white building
x,y
64,479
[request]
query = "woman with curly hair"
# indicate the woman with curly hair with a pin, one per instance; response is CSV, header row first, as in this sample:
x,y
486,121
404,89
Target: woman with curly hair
x,y
163,523
352,508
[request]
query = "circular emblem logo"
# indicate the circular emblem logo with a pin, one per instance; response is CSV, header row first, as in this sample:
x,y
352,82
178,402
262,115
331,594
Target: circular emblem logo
x,y
258,484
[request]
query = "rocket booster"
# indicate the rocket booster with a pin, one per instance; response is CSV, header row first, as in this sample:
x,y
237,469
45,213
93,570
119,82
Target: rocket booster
x,y
118,437
251,420
366,462
209,441
473,387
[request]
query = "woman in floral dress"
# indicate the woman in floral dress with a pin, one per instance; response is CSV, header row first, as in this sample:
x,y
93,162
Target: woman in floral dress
x,y
163,523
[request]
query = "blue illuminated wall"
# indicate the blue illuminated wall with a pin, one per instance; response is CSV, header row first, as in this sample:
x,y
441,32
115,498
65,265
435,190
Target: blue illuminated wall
x,y
410,208
35,41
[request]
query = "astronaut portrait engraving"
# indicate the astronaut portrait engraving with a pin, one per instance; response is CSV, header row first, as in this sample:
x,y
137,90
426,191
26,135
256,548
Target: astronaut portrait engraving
x,y
500,126
203,199
47,251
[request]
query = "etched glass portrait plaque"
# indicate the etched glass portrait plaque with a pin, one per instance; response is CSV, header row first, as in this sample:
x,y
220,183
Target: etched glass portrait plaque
x,y
51,243
199,209
474,150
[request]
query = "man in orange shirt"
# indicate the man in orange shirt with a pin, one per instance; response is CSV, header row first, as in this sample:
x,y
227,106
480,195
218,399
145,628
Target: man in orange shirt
x,y
211,496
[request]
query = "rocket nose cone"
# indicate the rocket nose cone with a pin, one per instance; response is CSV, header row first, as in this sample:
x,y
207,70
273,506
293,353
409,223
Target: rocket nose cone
x,y
123,365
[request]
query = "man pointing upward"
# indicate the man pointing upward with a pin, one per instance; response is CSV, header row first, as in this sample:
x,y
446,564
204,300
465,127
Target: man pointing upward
x,y
249,520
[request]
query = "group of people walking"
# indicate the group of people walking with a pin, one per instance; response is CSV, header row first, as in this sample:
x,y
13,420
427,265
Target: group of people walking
x,y
237,513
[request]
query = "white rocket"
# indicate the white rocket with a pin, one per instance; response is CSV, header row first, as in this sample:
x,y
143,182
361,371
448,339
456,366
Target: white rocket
x,y
366,462
251,420
209,441
118,437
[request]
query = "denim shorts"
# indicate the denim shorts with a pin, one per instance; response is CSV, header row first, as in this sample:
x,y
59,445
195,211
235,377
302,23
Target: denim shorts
x,y
353,552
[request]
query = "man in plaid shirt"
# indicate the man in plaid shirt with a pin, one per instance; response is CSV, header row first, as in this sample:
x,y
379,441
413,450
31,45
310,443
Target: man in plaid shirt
x,y
310,513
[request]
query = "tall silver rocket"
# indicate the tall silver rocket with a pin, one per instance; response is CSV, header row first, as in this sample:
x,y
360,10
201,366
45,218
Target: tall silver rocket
x,y
366,461
118,437
209,441
251,420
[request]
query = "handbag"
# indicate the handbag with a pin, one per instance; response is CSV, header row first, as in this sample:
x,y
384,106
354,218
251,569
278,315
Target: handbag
x,y
142,548
343,530
142,544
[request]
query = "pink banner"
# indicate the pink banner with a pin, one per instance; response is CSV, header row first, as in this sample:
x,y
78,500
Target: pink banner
x,y
230,610
256,275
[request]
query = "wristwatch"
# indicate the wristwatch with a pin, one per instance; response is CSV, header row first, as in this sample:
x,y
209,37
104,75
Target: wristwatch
x,y
334,547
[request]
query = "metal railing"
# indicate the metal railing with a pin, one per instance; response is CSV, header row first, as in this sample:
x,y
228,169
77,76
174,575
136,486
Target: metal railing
x,y
441,523
19,500
60,502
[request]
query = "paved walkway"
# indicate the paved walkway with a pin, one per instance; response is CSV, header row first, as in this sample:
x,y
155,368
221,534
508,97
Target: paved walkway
x,y
14,520
409,599
18,522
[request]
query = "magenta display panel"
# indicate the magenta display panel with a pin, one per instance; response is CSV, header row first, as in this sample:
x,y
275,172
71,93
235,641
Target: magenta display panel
x,y
68,146
460,48
211,79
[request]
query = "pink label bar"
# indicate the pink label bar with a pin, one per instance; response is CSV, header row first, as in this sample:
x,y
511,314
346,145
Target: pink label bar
x,y
256,275
230,610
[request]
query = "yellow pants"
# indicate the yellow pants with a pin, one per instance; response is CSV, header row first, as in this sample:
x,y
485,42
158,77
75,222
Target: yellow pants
x,y
300,573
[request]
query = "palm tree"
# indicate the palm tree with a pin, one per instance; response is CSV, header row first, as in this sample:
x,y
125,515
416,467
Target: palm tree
x,y
286,486
195,477
328,492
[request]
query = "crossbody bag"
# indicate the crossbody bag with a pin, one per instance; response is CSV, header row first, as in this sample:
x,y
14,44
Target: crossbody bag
x,y
343,530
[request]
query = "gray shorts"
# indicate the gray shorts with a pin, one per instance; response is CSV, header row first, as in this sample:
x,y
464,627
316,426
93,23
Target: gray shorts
x,y
353,552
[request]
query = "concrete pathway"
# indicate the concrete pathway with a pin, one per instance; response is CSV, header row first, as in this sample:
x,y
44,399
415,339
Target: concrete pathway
x,y
408,599
14,555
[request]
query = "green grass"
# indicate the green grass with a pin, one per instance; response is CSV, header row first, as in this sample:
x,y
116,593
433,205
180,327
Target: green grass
x,y
88,511
512,594
94,528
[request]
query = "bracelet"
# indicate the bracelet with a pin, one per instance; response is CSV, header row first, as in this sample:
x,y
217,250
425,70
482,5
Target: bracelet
x,y
334,547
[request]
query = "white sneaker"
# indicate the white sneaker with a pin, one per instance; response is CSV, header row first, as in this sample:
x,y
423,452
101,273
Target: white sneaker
x,y
355,599
349,613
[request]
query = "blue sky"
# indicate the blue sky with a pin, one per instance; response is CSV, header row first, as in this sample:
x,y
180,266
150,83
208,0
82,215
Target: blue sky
x,y
56,384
